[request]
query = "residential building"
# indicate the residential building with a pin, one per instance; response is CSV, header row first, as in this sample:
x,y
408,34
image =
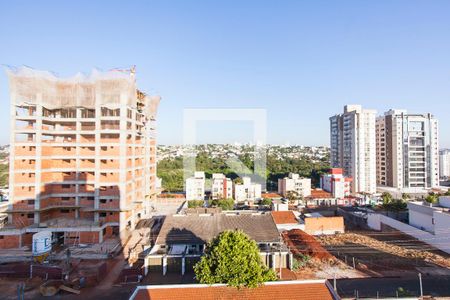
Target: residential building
x,y
294,183
336,183
222,187
352,142
82,158
280,290
195,186
434,218
407,151
247,191
182,240
444,164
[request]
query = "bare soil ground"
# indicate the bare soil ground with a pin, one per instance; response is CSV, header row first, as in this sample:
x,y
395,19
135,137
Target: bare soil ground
x,y
386,253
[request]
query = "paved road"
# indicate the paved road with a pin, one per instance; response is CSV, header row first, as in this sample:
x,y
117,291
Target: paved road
x,y
386,287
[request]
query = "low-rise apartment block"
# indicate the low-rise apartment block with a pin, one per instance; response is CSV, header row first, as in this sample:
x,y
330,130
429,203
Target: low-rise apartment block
x,y
294,183
82,159
247,191
336,183
195,186
222,187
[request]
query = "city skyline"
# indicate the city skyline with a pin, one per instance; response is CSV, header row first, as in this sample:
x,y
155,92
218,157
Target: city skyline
x,y
303,66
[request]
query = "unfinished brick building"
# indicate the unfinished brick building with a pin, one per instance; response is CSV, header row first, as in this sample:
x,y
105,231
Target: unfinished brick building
x,y
82,156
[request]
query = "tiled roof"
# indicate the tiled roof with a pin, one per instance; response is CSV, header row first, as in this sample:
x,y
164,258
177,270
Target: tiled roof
x,y
282,290
320,194
199,229
271,195
284,217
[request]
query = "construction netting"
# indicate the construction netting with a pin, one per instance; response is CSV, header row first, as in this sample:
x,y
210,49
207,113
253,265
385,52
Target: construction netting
x,y
106,89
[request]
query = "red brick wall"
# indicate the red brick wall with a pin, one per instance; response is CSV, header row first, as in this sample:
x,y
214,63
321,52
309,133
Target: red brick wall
x,y
9,241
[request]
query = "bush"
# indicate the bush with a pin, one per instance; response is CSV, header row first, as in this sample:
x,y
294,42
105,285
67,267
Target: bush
x,y
266,201
224,204
301,261
195,203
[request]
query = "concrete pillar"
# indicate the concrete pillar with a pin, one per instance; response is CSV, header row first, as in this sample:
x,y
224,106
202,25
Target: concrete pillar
x,y
183,265
273,261
146,266
164,262
291,261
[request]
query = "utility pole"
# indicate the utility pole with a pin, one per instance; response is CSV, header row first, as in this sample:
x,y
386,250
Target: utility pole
x,y
334,283
421,287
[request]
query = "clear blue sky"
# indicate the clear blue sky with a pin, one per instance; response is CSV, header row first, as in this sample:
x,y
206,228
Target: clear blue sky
x,y
300,60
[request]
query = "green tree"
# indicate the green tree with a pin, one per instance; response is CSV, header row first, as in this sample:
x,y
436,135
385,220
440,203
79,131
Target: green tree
x,y
447,193
224,204
292,196
406,196
266,202
432,198
233,258
387,198
195,203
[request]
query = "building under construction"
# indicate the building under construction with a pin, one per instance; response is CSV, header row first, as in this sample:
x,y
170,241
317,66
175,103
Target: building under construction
x,y
82,156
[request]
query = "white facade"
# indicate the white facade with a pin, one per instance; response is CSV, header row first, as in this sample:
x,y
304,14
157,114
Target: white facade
x,y
352,142
432,218
222,187
336,183
247,191
444,164
195,187
294,183
407,151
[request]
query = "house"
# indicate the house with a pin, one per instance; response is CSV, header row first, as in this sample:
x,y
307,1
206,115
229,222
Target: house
x,y
316,224
195,186
247,191
294,183
311,223
287,220
222,187
182,240
280,290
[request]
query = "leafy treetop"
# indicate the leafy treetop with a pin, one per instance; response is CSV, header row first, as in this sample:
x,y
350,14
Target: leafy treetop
x,y
233,258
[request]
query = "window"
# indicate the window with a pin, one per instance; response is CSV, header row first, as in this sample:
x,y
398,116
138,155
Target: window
x,y
30,216
66,186
102,214
64,211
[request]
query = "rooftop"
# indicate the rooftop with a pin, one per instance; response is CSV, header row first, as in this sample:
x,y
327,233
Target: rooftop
x,y
316,193
200,229
280,290
284,217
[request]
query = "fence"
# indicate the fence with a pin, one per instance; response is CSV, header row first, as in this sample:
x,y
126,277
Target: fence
x,y
30,271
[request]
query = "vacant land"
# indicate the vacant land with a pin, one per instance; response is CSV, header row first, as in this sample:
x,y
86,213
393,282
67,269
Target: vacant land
x,y
386,254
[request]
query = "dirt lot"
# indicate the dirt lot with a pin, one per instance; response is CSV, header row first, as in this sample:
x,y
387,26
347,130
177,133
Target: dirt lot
x,y
386,253
321,264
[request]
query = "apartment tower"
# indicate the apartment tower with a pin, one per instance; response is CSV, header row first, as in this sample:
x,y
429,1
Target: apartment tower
x,y
82,161
407,151
352,143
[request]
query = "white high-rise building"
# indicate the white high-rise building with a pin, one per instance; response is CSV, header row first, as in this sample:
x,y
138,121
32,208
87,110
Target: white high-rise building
x,y
247,191
444,164
294,183
352,142
195,187
407,151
